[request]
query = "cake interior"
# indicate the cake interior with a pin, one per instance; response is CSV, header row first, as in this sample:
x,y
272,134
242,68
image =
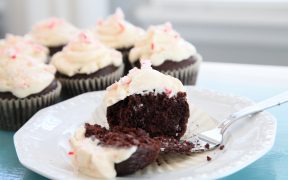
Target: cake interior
x,y
157,114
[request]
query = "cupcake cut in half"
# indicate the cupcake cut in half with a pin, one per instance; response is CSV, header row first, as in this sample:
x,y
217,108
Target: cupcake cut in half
x,y
23,45
26,86
87,65
103,153
149,100
168,52
54,33
119,34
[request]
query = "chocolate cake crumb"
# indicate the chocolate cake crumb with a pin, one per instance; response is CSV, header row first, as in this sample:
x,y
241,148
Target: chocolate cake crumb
x,y
172,145
209,158
207,146
221,147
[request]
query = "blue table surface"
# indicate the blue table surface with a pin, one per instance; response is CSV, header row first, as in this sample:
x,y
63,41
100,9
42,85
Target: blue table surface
x,y
274,165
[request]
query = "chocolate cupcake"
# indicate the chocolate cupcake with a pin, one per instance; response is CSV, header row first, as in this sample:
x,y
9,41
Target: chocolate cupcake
x,y
53,33
103,153
26,86
24,45
168,52
149,100
119,34
87,65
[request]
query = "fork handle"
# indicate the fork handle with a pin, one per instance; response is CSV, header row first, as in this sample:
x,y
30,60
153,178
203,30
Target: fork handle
x,y
258,107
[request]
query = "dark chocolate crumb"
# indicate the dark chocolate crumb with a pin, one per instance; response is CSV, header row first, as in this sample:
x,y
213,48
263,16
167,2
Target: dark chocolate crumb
x,y
207,146
221,147
158,162
209,158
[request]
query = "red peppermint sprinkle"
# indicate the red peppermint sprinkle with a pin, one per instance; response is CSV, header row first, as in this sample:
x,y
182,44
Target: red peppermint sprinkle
x,y
71,153
112,87
152,46
100,22
168,91
122,27
13,56
83,37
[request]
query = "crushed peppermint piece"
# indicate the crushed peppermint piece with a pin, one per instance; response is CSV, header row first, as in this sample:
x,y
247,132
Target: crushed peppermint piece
x,y
168,91
71,153
100,22
125,80
152,46
122,27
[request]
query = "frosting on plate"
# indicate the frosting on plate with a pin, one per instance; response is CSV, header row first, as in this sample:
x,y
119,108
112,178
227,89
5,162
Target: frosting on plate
x,y
23,75
53,32
85,55
24,45
142,81
92,159
161,43
117,33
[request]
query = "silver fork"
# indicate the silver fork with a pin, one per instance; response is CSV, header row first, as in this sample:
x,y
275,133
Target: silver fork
x,y
211,139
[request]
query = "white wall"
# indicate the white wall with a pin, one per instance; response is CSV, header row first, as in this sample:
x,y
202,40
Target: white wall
x,y
20,15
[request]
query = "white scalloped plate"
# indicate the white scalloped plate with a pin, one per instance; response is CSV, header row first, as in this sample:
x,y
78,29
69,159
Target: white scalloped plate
x,y
42,143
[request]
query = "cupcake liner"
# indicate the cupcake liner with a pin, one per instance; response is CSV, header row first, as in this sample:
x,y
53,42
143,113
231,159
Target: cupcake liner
x,y
127,64
187,75
16,112
73,87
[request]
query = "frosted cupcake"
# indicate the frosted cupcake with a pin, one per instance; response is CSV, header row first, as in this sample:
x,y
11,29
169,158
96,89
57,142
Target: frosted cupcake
x,y
53,33
119,34
24,45
26,86
168,52
87,65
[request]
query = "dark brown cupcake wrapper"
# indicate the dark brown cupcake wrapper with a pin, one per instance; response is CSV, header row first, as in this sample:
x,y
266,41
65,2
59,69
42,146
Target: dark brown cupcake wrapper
x,y
73,87
16,112
187,75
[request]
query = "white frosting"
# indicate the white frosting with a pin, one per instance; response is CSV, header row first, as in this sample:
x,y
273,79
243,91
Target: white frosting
x,y
117,33
85,55
95,160
142,81
53,32
24,45
161,43
22,75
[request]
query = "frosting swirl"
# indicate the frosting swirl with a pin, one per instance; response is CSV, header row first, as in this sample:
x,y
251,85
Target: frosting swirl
x,y
85,55
24,45
142,81
53,32
117,33
161,43
23,75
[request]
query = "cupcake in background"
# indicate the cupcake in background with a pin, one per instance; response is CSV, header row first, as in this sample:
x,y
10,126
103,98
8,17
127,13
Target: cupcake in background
x,y
87,65
119,34
53,33
24,45
168,52
26,86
